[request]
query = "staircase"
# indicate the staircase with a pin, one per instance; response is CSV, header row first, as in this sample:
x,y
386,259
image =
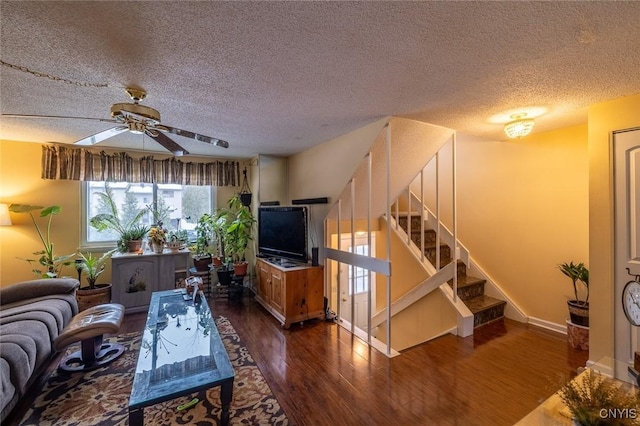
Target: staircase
x,y
470,289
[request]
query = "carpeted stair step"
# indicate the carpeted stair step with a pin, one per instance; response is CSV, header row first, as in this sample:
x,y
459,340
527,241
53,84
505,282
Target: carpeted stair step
x,y
429,236
485,309
469,287
415,221
430,254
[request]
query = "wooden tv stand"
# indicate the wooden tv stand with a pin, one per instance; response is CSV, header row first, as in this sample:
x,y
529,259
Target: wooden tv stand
x,y
291,293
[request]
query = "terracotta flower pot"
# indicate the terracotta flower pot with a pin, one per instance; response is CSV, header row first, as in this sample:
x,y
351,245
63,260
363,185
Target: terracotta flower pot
x,y
88,297
240,268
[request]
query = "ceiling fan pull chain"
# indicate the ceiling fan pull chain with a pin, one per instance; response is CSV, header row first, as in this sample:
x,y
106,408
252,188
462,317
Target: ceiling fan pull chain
x,y
53,77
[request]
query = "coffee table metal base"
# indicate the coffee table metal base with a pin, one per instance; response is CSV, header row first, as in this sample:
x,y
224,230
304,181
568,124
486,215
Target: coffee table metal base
x,y
136,414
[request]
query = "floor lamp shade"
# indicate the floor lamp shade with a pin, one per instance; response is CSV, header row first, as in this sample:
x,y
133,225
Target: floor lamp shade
x,y
5,219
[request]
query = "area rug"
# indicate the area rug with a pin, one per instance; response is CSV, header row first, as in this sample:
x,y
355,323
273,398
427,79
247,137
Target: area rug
x,y
101,397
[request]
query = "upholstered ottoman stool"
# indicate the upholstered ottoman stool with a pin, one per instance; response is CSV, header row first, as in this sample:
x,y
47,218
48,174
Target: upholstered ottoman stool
x,y
88,327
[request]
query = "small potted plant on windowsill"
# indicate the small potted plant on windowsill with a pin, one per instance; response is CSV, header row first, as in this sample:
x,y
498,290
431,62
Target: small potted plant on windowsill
x,y
93,294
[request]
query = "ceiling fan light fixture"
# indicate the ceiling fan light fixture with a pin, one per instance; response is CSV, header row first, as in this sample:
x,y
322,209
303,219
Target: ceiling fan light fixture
x,y
519,127
136,127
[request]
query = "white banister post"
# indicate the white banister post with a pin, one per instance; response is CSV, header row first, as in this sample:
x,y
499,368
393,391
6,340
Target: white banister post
x,y
455,217
388,204
352,290
339,264
422,215
369,247
437,211
409,214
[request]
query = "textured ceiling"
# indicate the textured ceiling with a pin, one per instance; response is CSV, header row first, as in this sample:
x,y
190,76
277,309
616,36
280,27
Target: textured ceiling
x,y
280,77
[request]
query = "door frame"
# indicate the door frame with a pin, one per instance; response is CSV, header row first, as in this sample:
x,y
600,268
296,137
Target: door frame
x,y
626,337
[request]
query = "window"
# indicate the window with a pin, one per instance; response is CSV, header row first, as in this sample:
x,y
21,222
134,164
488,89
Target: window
x,y
360,276
179,206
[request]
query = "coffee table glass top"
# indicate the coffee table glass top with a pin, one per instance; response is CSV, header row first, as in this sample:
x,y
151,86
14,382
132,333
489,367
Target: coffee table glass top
x,y
181,350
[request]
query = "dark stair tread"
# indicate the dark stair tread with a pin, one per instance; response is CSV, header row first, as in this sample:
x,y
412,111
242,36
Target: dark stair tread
x,y
482,303
467,281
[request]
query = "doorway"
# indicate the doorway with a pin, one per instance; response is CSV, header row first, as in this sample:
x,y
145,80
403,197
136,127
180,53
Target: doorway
x,y
356,283
626,147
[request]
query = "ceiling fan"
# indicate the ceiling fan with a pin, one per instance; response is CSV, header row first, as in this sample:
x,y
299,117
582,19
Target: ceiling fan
x,y
139,119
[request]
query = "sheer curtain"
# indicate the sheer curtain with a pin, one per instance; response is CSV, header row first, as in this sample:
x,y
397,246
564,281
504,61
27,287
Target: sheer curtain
x,y
70,163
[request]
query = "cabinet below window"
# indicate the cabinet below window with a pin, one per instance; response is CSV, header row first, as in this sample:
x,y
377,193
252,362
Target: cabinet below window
x,y
291,294
135,276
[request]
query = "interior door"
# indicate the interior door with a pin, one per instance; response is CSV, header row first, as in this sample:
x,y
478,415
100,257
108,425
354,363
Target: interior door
x,y
626,147
356,283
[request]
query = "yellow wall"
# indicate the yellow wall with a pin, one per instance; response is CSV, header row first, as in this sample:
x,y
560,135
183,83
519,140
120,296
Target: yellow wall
x,y
20,183
604,118
522,210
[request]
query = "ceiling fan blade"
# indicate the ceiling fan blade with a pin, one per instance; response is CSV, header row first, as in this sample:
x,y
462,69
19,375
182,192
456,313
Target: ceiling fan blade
x,y
168,143
99,137
201,138
104,120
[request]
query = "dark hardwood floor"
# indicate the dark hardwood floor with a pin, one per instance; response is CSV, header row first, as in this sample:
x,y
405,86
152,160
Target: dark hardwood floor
x,y
322,375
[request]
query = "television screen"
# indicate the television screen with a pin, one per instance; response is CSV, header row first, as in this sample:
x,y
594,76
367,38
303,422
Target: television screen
x,y
282,232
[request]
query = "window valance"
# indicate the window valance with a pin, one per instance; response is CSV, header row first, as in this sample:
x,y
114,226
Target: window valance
x,y
68,163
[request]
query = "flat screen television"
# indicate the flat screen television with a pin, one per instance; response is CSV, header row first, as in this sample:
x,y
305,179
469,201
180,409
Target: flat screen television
x,y
282,232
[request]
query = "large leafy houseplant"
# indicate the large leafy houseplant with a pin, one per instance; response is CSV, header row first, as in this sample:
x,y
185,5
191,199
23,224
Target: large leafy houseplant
x,y
50,263
239,226
131,230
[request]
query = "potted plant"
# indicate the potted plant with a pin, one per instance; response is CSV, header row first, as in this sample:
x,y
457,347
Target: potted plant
x,y
177,239
51,263
590,398
202,249
130,233
239,225
578,308
157,238
93,294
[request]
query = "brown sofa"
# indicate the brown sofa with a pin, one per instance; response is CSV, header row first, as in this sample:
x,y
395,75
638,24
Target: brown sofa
x,y
32,314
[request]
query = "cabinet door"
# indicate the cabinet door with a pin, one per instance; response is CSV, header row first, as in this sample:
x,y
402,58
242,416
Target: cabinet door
x,y
277,291
133,281
264,277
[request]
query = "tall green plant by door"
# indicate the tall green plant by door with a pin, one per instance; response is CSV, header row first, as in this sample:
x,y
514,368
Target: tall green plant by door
x,y
49,263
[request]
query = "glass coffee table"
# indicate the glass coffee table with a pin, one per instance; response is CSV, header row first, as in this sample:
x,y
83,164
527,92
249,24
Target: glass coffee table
x,y
181,352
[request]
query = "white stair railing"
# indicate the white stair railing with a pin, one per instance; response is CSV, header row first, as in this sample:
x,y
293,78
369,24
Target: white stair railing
x,y
378,180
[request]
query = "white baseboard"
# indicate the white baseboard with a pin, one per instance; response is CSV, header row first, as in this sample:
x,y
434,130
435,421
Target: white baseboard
x,y
558,328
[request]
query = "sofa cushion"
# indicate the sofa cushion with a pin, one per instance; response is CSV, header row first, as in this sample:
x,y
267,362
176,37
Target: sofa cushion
x,y
8,393
54,311
27,290
21,351
32,314
37,332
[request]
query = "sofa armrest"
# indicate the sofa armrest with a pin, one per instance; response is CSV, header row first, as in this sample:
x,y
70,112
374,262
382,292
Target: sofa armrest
x,y
37,288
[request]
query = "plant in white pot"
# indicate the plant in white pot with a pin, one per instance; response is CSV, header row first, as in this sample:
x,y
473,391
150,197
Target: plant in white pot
x,y
578,307
92,266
